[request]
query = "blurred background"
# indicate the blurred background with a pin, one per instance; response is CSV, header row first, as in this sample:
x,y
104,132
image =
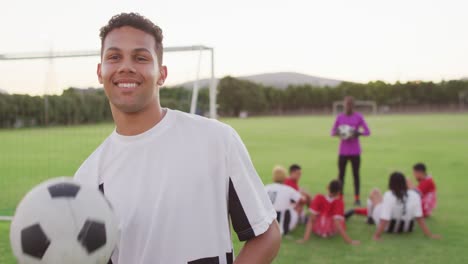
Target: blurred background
x,y
280,71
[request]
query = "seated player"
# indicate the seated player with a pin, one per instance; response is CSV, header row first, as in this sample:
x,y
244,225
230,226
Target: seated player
x,y
397,210
295,173
327,215
283,198
426,188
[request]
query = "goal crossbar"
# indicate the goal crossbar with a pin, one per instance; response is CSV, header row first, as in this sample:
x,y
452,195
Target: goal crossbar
x,y
94,53
371,104
84,53
6,218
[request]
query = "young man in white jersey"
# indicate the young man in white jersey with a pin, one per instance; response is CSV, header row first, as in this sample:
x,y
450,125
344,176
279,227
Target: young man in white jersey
x,y
284,198
397,210
176,181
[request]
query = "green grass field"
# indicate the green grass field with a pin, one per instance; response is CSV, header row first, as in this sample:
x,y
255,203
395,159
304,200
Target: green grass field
x,y
28,156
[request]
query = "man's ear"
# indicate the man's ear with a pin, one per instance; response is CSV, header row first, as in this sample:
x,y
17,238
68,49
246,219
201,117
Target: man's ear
x,y
162,75
98,71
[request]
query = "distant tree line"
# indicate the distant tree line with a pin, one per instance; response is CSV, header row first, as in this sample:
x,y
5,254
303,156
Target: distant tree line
x,y
81,106
235,95
74,106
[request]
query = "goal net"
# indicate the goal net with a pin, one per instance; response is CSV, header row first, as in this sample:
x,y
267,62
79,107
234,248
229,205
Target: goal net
x,y
46,134
369,107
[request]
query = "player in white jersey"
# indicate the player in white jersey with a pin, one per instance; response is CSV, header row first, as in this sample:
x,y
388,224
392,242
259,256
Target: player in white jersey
x,y
397,210
284,199
176,181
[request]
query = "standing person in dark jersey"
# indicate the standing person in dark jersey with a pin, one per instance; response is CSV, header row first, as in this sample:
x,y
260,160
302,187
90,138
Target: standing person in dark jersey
x,y
350,149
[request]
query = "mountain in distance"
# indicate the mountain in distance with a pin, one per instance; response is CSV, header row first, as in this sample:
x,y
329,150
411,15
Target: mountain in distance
x,y
279,80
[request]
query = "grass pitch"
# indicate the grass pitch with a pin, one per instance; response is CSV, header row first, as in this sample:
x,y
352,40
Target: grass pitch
x,y
29,156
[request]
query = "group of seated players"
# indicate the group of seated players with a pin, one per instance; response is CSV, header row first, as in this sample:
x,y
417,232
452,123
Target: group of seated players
x,y
394,211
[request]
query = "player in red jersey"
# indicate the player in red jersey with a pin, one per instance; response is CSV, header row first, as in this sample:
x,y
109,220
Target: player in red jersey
x,y
295,173
327,215
426,188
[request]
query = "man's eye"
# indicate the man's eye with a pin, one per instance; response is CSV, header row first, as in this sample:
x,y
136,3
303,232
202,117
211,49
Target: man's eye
x,y
140,58
113,57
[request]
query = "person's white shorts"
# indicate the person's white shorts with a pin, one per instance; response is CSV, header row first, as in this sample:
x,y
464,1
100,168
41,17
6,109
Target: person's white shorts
x,y
294,220
288,221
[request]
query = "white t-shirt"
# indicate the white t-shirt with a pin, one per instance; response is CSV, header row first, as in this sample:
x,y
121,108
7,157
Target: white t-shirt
x,y
176,187
400,215
283,198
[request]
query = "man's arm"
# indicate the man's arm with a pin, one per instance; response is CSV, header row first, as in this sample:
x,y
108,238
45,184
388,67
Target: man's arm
x,y
306,195
410,184
261,249
366,130
308,229
425,229
380,229
249,203
334,131
344,235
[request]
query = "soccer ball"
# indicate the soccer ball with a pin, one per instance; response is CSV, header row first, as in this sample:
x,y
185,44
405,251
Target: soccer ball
x,y
345,132
62,222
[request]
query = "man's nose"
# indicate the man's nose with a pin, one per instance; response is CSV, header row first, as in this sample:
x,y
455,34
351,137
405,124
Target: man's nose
x,y
126,66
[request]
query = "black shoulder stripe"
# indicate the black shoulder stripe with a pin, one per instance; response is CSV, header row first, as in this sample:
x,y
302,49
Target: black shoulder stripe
x,y
101,187
239,219
229,258
213,260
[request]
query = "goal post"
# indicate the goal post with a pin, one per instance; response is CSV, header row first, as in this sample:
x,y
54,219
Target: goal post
x,y
93,53
462,100
51,66
360,104
6,218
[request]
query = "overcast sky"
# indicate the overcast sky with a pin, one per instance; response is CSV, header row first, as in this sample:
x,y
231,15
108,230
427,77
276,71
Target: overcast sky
x,y
354,40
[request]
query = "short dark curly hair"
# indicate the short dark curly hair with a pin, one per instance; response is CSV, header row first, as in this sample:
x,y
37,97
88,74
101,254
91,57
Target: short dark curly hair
x,y
335,187
137,21
420,167
294,168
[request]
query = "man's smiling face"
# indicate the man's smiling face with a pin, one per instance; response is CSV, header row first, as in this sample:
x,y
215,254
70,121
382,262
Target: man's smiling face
x,y
129,69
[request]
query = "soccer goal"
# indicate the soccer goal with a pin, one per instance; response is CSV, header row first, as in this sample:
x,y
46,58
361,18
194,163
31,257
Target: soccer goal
x,y
198,50
462,100
361,106
31,156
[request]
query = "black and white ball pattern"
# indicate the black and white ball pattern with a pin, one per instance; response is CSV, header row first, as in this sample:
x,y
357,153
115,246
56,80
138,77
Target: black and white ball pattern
x,y
345,132
61,221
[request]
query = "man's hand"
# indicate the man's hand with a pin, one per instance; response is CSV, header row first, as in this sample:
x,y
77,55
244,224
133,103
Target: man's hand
x,y
434,236
336,133
356,133
301,241
354,242
425,229
376,237
410,184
